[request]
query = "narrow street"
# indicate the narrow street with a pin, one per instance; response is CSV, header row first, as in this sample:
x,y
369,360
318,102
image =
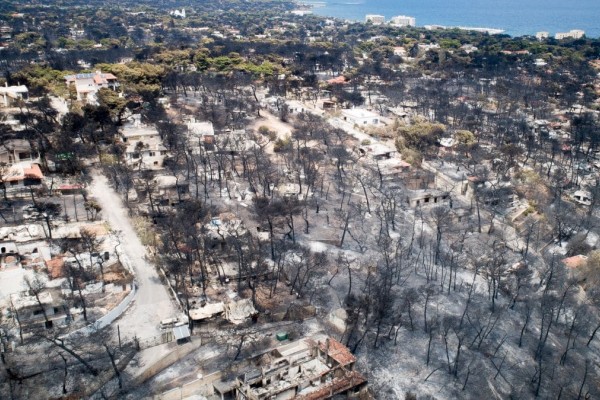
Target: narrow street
x,y
152,302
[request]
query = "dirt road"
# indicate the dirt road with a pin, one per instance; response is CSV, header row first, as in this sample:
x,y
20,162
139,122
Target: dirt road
x,y
152,302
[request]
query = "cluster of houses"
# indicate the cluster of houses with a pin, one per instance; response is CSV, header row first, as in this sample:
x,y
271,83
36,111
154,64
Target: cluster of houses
x,y
37,288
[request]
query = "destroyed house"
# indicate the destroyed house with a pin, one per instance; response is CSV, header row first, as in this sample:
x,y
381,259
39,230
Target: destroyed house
x,y
11,95
377,151
41,311
22,175
419,198
9,254
14,151
305,369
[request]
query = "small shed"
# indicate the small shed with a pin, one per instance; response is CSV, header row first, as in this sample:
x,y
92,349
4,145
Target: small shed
x,y
181,333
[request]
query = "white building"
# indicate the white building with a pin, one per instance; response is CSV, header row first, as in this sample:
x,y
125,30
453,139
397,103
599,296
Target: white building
x,y
200,129
403,20
375,19
22,175
14,151
201,134
177,13
400,51
583,197
42,310
468,48
572,34
542,35
377,151
146,154
425,47
88,85
145,149
360,117
12,94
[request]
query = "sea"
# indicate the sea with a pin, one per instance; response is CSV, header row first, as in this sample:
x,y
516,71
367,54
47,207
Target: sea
x,y
515,17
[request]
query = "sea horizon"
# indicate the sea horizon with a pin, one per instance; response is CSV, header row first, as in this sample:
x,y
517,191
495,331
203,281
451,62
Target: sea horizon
x,y
514,17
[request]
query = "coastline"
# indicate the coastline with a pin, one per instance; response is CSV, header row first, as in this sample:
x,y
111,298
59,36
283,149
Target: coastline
x,y
513,30
306,7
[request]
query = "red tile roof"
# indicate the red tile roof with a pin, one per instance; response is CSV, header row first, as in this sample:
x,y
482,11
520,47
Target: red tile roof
x,y
337,351
18,173
575,261
33,171
340,80
56,267
68,186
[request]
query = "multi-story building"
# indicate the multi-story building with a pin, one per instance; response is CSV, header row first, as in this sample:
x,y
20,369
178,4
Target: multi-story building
x,y
403,20
10,95
14,151
375,19
542,35
41,311
572,34
88,85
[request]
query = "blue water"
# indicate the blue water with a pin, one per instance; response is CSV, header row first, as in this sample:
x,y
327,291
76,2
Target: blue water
x,y
516,17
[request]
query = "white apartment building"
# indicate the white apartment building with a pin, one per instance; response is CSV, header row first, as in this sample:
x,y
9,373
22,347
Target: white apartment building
x,y
375,19
542,35
403,20
572,34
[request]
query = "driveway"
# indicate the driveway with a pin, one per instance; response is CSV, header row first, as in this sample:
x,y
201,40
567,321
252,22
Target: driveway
x,y
152,302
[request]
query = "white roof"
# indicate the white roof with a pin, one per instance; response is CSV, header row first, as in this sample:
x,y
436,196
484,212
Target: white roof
x,y
201,128
583,193
30,301
11,281
151,143
378,149
134,130
207,311
165,181
447,142
22,233
14,89
181,332
359,113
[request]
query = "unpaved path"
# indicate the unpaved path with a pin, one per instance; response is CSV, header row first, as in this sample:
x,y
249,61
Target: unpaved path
x,y
152,302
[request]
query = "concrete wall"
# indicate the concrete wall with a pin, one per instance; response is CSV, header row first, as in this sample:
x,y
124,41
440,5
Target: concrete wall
x,y
178,353
109,317
202,386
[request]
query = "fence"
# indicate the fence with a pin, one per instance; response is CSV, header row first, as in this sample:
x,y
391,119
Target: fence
x,y
153,341
109,317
